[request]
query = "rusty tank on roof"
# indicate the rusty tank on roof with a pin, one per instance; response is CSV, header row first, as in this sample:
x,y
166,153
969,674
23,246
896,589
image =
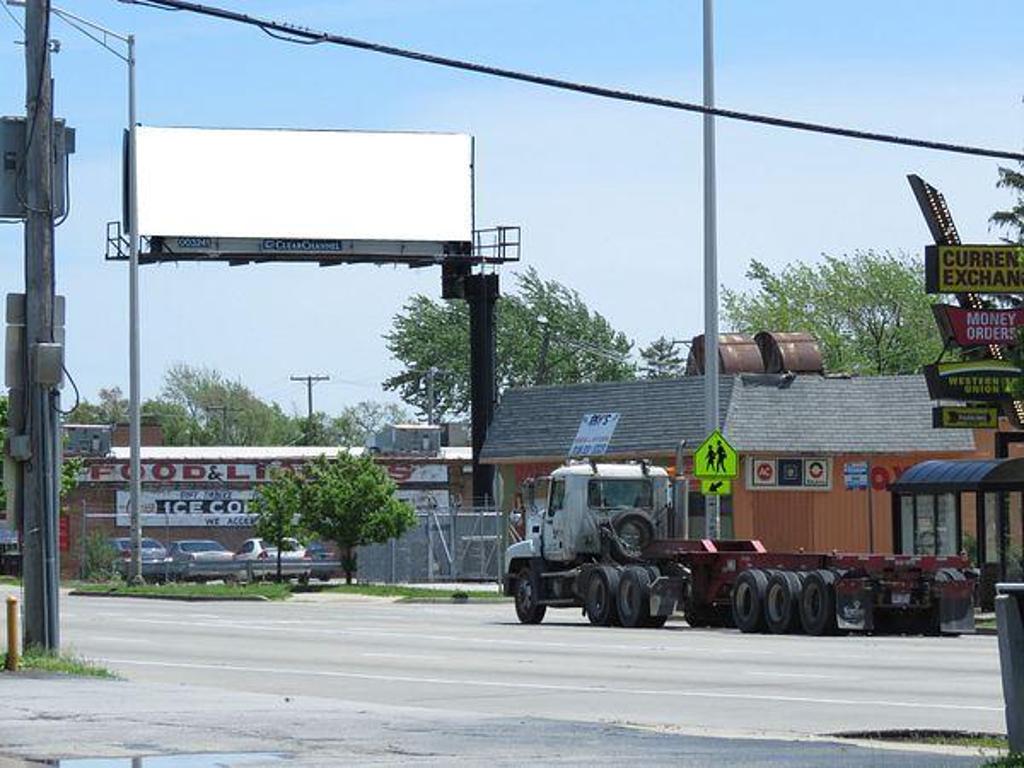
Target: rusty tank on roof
x,y
792,352
737,353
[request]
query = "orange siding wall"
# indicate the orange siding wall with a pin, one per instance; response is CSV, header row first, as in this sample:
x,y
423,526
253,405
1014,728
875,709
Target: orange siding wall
x,y
825,520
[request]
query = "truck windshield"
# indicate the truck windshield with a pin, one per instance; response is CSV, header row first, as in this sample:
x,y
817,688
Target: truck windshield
x,y
611,494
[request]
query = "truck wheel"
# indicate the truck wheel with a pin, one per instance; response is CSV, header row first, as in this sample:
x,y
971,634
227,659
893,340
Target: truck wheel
x,y
602,591
528,608
748,600
634,595
818,603
930,623
782,603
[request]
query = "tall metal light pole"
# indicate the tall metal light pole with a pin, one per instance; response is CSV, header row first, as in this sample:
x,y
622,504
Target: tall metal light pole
x,y
712,511
100,35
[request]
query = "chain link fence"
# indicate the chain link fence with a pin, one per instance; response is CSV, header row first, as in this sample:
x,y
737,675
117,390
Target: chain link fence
x,y
457,544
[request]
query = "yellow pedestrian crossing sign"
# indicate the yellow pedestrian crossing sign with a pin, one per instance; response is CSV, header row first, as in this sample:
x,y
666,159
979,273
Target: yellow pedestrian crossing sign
x,y
716,487
715,458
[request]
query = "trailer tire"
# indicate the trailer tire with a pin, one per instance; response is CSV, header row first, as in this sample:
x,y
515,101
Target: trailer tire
x,y
818,603
528,607
782,603
634,596
748,600
601,597
930,623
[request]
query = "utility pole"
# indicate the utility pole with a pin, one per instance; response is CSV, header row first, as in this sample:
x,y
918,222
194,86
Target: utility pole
x,y
40,478
310,380
431,397
712,510
224,410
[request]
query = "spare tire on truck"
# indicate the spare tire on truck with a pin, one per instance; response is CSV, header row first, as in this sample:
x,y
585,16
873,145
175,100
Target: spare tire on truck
x,y
634,596
748,600
634,531
782,603
601,596
818,603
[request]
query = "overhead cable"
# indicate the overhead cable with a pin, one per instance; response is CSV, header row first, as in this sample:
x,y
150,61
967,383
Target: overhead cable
x,y
304,36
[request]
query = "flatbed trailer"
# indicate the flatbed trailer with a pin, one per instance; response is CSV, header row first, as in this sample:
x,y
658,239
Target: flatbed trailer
x,y
596,547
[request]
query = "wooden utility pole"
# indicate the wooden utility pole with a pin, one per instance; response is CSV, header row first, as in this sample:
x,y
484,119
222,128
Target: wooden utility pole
x,y
309,381
41,472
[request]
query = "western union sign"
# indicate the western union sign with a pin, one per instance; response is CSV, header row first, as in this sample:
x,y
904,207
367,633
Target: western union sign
x,y
986,380
974,269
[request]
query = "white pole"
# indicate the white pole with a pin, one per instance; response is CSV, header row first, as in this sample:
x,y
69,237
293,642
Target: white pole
x,y
711,503
134,408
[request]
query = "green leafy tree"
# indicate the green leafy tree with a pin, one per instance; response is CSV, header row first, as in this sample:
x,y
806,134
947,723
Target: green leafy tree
x,y
351,501
111,408
226,412
662,359
546,334
356,423
869,311
277,504
1012,220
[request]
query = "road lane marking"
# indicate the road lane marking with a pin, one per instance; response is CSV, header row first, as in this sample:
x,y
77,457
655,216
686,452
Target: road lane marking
x,y
558,688
796,674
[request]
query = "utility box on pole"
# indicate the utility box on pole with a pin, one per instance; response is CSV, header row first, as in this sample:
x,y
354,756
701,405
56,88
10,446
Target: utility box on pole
x,y
12,167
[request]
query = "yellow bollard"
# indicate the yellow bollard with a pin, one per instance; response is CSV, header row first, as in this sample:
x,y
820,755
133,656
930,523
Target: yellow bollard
x,y
12,633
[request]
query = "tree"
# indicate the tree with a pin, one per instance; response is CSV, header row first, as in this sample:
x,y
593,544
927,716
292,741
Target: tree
x,y
112,408
278,504
869,311
1012,219
226,412
546,334
351,501
662,359
357,423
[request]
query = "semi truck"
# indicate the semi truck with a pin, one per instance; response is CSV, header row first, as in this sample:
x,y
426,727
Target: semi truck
x,y
602,543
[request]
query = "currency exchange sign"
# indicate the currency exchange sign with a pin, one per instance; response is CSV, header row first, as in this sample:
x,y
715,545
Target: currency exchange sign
x,y
974,268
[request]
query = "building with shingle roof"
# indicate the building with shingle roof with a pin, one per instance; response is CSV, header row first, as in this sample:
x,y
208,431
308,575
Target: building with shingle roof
x,y
806,442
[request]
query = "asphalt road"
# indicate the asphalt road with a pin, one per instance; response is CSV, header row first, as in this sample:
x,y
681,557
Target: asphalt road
x,y
477,658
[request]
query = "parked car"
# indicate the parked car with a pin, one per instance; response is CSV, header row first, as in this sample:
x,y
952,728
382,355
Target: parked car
x,y
155,565
198,559
261,559
326,563
261,549
152,550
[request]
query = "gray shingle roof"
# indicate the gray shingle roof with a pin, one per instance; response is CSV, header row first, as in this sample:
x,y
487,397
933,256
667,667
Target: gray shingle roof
x,y
871,414
655,415
812,414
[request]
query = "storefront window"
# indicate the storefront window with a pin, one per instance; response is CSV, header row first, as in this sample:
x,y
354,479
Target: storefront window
x,y
924,526
945,525
906,525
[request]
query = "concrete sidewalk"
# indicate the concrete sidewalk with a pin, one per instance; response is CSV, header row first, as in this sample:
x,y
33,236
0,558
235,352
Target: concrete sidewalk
x,y
49,717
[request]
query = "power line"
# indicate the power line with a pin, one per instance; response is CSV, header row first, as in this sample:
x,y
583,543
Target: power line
x,y
304,36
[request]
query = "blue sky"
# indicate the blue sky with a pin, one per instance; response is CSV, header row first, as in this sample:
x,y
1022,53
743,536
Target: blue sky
x,y
608,194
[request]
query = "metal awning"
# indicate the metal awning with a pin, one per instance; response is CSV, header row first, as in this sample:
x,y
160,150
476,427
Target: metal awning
x,y
948,476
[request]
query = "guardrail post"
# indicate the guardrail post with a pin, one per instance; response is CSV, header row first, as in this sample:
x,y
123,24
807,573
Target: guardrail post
x,y
12,634
1010,624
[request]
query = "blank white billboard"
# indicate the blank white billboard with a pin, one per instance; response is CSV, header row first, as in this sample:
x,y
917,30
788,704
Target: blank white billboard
x,y
344,185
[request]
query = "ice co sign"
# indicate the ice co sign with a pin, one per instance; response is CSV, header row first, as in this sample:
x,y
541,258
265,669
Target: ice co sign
x,y
974,269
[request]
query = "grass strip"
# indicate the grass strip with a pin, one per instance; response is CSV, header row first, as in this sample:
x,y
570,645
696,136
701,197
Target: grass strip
x,y
939,738
188,591
406,593
1010,761
38,660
